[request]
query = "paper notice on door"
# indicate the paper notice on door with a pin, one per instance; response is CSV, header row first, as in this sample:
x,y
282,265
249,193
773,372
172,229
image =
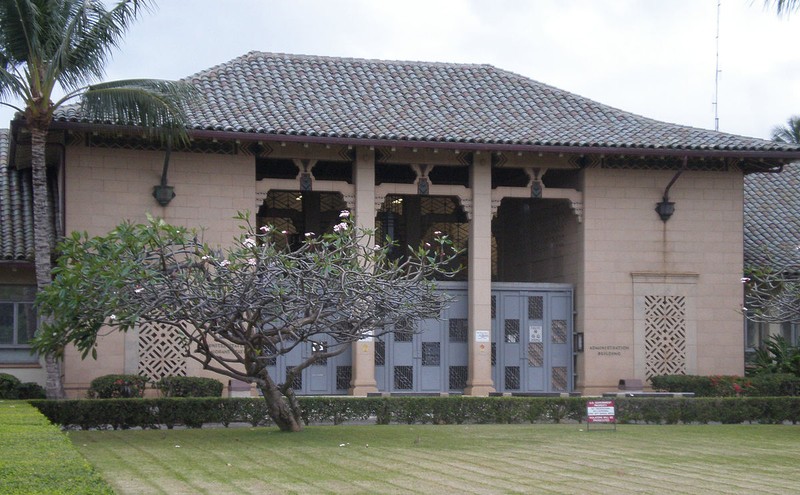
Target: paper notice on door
x,y
535,333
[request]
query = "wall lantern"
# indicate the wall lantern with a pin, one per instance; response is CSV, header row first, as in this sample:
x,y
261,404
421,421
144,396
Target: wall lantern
x,y
665,209
163,194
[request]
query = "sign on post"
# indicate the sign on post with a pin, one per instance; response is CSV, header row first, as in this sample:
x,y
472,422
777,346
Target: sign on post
x,y
600,412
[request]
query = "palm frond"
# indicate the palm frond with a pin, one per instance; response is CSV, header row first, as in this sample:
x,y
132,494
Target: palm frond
x,y
154,104
789,133
20,29
88,38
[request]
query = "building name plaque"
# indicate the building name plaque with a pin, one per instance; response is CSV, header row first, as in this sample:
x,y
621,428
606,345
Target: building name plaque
x,y
609,350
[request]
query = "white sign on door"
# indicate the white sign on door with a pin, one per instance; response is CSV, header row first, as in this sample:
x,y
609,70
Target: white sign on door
x,y
535,333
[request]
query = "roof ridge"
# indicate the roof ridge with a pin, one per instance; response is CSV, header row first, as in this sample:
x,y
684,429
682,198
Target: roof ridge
x,y
257,54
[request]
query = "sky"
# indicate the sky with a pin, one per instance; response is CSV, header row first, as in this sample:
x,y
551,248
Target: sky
x,y
656,58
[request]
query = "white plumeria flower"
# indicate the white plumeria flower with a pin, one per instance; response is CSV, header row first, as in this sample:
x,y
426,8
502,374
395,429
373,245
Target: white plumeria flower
x,y
112,317
284,232
249,242
376,248
344,214
340,227
745,280
138,290
265,229
438,232
224,263
310,234
251,261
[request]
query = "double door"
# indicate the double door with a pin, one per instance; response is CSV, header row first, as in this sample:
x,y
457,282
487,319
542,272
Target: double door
x,y
532,341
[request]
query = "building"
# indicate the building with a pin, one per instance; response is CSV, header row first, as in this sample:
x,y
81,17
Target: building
x,y
772,239
600,245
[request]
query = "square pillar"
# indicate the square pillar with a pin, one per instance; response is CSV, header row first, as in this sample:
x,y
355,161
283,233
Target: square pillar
x,y
479,297
363,351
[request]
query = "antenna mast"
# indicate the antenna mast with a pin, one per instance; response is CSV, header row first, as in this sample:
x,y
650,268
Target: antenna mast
x,y
716,75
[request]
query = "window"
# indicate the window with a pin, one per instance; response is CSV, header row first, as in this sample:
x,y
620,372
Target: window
x,y
17,323
789,331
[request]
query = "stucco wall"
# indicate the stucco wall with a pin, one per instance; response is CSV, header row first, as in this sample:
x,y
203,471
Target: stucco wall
x,y
104,187
702,242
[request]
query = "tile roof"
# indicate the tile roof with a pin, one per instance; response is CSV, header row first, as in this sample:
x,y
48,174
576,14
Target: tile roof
x,y
331,97
772,218
16,208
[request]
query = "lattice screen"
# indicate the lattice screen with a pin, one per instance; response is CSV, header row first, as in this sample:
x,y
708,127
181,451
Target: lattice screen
x,y
665,335
160,352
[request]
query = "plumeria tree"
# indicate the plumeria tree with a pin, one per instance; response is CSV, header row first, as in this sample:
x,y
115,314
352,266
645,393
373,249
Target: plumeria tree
x,y
772,293
239,309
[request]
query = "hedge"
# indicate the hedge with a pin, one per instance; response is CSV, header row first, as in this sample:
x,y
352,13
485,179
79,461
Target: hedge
x,y
189,386
763,385
195,412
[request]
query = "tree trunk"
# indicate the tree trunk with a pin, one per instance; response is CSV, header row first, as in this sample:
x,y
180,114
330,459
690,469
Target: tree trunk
x,y
43,243
285,414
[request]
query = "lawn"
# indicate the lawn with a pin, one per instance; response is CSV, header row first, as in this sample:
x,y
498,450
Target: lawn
x,y
564,459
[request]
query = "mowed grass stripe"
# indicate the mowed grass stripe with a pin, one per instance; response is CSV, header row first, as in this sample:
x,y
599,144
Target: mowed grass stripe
x,y
635,469
467,459
394,466
441,474
486,472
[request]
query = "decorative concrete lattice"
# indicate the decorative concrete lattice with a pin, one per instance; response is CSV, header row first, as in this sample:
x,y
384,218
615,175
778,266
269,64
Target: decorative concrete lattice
x,y
160,352
559,378
665,335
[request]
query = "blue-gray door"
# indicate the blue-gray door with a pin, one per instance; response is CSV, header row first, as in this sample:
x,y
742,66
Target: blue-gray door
x,y
532,334
329,376
431,357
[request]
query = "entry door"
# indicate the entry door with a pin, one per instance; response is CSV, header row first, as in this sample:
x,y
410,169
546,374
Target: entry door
x,y
432,358
415,358
532,341
327,377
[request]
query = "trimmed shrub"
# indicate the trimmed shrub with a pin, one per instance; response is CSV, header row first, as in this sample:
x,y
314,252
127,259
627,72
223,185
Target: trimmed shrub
x,y
31,390
117,387
774,385
189,386
9,386
762,385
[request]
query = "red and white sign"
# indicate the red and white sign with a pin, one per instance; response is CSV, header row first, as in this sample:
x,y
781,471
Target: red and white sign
x,y
600,411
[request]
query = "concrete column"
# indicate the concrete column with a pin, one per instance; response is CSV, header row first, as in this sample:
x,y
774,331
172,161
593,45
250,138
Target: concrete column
x,y
363,351
479,380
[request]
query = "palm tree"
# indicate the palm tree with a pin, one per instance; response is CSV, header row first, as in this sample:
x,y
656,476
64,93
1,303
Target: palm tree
x,y
789,133
62,45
